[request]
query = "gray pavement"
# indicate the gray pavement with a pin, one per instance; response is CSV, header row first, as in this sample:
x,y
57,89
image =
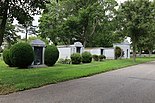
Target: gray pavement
x,y
135,84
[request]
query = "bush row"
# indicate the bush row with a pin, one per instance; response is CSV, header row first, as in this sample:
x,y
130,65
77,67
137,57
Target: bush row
x,y
99,57
77,58
22,55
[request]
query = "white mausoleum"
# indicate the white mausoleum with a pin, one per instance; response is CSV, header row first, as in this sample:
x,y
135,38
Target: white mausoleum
x,y
65,51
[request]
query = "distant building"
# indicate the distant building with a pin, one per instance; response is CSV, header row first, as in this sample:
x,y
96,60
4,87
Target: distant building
x,y
65,51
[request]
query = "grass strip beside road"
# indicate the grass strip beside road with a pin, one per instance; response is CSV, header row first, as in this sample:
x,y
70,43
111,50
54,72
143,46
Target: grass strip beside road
x,y
13,79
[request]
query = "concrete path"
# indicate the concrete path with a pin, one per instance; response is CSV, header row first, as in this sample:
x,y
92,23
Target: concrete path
x,y
134,84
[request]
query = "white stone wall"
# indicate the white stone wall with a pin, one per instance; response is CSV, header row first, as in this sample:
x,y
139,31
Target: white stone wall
x,y
94,51
108,52
64,53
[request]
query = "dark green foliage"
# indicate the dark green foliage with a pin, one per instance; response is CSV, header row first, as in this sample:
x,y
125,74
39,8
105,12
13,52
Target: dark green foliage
x,y
86,57
51,55
22,10
101,57
95,57
76,58
22,55
118,52
136,20
6,57
85,20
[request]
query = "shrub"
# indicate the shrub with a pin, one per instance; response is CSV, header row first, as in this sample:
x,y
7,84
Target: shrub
x,y
6,57
51,55
118,52
64,61
101,57
22,55
95,57
76,58
86,57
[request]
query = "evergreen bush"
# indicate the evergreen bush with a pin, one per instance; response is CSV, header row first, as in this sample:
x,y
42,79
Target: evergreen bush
x,y
22,55
86,57
51,55
76,58
95,57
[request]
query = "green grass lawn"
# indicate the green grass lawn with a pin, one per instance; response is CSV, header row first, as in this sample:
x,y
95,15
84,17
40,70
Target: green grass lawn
x,y
13,79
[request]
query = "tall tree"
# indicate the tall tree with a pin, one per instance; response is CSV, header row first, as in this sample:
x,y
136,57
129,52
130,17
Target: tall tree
x,y
10,36
22,10
77,20
27,29
135,17
147,42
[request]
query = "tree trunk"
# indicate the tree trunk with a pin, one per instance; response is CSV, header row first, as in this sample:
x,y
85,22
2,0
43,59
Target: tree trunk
x,y
3,23
150,52
140,52
134,48
26,34
2,30
84,43
134,53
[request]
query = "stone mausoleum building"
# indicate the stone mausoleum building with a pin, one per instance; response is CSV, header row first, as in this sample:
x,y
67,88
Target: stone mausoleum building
x,y
39,48
65,51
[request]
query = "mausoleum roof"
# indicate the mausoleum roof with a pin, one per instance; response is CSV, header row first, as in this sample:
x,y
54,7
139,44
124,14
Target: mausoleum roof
x,y
38,43
122,43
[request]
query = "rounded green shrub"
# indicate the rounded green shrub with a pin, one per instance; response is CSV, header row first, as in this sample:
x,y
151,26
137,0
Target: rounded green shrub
x,y
22,55
118,52
6,57
101,57
95,57
76,58
86,57
51,55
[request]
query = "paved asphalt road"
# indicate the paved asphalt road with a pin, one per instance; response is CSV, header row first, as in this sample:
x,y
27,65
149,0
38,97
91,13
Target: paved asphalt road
x,y
134,84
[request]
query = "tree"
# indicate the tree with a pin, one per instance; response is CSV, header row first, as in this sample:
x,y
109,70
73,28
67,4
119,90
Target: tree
x,y
22,10
77,20
135,17
106,39
147,42
10,35
27,29
50,21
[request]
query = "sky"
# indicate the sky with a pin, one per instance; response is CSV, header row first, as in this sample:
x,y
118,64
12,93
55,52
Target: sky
x,y
36,18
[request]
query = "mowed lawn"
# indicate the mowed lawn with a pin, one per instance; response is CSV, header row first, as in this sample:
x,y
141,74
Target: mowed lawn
x,y
13,79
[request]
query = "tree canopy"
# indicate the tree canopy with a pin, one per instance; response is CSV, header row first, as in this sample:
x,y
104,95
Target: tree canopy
x,y
79,20
136,19
21,10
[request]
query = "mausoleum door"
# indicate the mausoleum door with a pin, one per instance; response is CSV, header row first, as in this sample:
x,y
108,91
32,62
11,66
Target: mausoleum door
x,y
102,51
38,55
78,49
